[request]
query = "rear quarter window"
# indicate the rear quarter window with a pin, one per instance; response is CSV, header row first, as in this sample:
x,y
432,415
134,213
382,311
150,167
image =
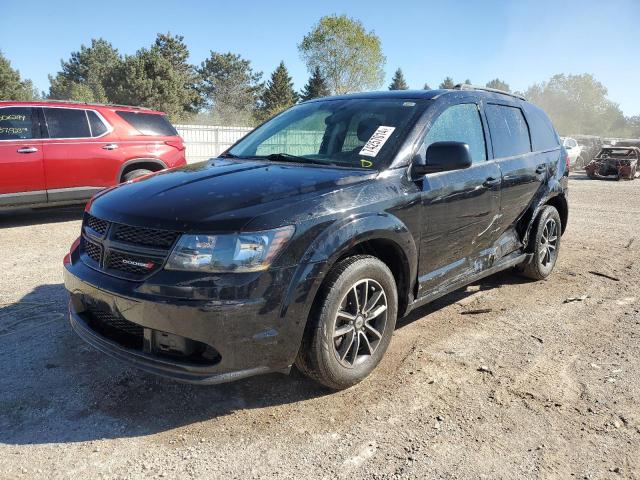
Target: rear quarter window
x,y
543,135
149,123
509,131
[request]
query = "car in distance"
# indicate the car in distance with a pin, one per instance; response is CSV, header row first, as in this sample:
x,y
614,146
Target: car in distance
x,y
618,162
576,161
56,153
589,145
306,240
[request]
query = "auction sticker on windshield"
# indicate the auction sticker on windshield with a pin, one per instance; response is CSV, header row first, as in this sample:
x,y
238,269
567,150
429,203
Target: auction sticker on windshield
x,y
377,141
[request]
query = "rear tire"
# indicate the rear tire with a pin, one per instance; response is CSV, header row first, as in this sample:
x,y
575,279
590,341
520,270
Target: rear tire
x,y
135,174
545,236
352,323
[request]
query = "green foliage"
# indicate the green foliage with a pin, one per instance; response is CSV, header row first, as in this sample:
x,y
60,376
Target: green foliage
x,y
398,82
578,104
447,83
230,88
279,94
315,87
158,77
83,77
498,85
12,87
349,57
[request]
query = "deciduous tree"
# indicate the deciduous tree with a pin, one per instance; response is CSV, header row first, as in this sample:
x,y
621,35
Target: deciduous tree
x,y
349,57
578,104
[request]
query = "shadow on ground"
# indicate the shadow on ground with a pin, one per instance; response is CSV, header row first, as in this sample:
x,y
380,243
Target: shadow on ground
x,y
25,217
57,389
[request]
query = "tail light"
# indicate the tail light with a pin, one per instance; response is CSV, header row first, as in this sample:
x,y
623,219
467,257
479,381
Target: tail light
x,y
177,144
567,162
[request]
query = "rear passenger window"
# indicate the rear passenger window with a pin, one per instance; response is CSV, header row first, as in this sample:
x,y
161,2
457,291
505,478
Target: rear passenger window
x,y
15,123
509,131
460,123
97,125
67,123
543,135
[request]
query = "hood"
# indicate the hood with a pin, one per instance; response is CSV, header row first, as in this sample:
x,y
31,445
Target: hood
x,y
218,195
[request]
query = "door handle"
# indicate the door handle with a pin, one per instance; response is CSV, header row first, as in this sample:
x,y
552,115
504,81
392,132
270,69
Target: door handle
x,y
27,150
541,168
491,182
110,146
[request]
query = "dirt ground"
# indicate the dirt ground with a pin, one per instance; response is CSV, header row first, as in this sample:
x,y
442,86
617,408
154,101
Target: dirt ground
x,y
535,388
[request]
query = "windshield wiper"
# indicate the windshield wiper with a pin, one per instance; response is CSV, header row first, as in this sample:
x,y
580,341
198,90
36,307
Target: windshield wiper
x,y
228,155
285,157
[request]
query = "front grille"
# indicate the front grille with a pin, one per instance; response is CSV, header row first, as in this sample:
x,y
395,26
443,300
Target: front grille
x,y
93,250
132,264
145,236
132,253
96,224
116,328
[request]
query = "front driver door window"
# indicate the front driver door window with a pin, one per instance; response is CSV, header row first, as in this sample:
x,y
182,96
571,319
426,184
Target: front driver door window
x,y
460,208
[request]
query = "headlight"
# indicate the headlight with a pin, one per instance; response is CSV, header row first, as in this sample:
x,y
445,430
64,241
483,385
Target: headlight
x,y
241,252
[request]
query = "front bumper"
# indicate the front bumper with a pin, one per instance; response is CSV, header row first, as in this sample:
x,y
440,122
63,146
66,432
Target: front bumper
x,y
250,335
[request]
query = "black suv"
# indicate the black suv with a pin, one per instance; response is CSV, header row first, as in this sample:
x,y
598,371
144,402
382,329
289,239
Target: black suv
x,y
306,240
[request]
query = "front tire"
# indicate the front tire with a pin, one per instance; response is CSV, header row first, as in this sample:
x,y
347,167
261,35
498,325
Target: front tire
x,y
546,236
351,327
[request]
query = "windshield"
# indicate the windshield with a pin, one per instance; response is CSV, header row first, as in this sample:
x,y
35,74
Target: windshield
x,y
359,133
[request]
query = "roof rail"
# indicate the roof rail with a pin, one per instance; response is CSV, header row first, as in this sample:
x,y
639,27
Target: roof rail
x,y
93,104
466,86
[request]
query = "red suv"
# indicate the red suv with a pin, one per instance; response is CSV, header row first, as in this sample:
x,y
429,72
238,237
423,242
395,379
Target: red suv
x,y
54,153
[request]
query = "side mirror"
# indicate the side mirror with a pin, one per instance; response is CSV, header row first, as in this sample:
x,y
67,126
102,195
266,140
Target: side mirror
x,y
443,157
568,147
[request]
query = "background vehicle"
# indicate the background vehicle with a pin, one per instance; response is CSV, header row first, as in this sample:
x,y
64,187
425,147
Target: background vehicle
x,y
590,146
576,160
619,162
628,142
307,248
54,153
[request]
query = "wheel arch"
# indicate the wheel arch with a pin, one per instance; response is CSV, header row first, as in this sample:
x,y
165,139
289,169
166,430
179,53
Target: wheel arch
x,y
380,235
153,164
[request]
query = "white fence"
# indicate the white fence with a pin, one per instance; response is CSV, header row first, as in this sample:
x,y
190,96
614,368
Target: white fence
x,y
206,141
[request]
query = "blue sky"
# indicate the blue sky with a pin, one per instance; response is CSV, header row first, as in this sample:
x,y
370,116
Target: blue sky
x,y
520,42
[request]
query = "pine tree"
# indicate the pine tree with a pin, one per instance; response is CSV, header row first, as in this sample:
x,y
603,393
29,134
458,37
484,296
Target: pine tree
x,y
398,82
12,87
230,88
315,87
279,94
447,83
498,85
426,87
84,76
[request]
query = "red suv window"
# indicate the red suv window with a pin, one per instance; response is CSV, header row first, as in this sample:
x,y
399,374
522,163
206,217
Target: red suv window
x,y
149,124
